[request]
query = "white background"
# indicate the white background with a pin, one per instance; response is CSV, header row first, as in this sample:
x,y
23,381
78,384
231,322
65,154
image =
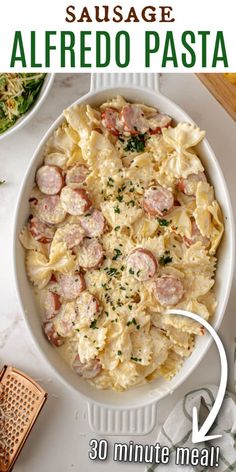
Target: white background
x,y
44,15
59,441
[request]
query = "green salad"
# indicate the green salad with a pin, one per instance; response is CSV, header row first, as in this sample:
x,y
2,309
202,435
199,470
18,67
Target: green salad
x,y
18,92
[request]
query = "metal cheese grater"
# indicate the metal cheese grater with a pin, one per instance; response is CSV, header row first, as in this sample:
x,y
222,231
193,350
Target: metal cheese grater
x,y
21,400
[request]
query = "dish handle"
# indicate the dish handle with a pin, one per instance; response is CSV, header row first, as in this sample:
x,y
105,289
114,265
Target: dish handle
x,y
102,81
111,421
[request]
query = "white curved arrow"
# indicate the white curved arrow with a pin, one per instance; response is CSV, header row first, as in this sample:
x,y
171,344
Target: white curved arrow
x,y
200,435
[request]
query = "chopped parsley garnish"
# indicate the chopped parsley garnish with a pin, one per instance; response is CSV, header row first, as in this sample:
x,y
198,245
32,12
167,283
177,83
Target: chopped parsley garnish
x,y
163,222
135,359
116,209
117,228
138,327
112,271
131,203
2,182
122,188
118,253
119,353
93,324
119,198
133,321
136,143
165,259
130,307
131,271
105,286
110,182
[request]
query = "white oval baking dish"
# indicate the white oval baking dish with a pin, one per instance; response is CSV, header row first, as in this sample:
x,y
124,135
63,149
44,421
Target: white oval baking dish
x,y
48,81
133,412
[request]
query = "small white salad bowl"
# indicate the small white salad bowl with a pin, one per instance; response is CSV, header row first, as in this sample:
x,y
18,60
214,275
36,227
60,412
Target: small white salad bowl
x,y
26,117
133,412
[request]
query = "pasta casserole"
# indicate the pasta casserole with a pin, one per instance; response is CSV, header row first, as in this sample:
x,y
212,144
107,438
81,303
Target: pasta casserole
x,y
123,223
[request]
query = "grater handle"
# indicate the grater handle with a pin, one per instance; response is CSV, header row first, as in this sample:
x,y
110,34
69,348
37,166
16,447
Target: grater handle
x,y
103,81
122,422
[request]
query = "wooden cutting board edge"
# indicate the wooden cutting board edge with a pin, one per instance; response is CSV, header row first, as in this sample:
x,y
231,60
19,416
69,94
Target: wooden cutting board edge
x,y
222,90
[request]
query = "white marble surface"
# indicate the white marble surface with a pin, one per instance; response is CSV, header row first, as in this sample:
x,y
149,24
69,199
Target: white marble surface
x,y
59,441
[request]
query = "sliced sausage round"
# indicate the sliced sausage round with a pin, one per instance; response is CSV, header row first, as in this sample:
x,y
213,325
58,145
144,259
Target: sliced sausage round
x,y
87,307
50,211
196,236
71,285
158,122
87,370
49,179
76,175
90,255
75,201
52,305
40,231
142,264
72,235
134,120
189,186
52,335
93,224
158,201
168,290
109,120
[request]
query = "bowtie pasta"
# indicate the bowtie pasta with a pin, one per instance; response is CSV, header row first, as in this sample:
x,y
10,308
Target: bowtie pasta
x,y
123,224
